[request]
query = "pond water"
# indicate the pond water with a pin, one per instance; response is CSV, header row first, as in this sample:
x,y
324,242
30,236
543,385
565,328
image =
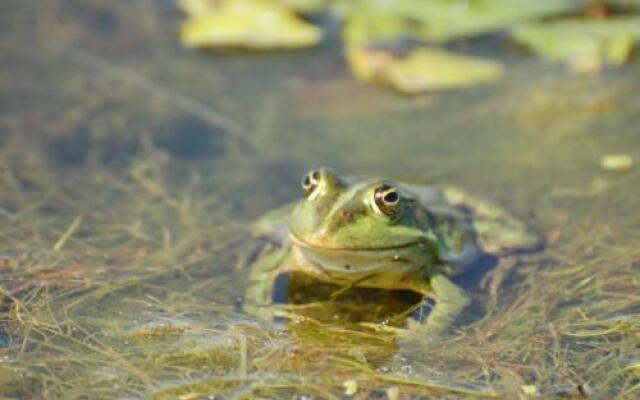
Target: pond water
x,y
130,169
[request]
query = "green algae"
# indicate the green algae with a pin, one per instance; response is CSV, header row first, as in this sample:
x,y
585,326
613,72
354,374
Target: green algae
x,y
122,259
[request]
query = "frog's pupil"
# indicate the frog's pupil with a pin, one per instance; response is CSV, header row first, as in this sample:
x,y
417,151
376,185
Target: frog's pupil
x,y
316,175
391,197
307,181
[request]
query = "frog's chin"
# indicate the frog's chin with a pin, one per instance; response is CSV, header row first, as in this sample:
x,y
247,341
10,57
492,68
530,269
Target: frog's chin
x,y
388,268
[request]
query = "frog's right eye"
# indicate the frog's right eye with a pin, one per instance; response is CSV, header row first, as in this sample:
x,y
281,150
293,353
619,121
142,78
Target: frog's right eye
x,y
387,200
311,182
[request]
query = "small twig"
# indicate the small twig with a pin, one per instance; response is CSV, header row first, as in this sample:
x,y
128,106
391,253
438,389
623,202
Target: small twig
x,y
352,285
75,224
243,356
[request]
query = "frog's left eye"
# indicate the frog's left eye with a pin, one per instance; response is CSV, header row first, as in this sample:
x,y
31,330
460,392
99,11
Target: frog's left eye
x,y
386,200
311,182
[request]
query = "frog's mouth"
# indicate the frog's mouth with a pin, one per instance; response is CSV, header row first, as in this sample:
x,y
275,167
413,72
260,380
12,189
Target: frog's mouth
x,y
300,242
380,267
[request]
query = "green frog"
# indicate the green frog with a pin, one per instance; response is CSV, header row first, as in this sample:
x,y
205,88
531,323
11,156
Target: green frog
x,y
380,234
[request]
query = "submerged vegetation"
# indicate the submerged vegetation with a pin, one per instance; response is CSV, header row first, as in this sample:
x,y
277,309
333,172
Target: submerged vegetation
x,y
130,169
586,35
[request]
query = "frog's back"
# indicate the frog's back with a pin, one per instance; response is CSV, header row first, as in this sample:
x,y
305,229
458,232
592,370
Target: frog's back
x,y
470,225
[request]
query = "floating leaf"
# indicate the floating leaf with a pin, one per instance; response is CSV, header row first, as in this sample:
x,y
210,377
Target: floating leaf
x,y
199,7
441,20
375,21
194,8
423,69
446,19
306,6
245,24
624,2
616,162
583,44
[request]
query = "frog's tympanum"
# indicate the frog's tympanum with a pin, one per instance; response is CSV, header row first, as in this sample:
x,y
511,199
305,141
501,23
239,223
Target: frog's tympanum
x,y
379,234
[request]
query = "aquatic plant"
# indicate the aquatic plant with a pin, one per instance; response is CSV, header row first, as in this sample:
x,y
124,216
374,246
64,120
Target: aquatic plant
x,y
385,41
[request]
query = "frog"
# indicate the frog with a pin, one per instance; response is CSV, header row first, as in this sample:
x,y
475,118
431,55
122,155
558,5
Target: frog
x,y
377,233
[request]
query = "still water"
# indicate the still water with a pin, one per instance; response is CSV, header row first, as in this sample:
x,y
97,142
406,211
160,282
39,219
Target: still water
x,y
130,169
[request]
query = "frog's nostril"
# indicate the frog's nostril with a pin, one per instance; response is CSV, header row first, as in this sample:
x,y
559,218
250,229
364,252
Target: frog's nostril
x,y
347,215
347,267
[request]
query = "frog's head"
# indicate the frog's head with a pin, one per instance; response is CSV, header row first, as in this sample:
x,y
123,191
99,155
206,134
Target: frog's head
x,y
351,230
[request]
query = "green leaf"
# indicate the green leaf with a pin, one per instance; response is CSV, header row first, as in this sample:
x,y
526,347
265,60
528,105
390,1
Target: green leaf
x,y
582,44
441,20
623,2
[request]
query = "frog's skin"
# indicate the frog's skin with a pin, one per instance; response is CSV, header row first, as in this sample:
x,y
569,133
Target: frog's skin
x,y
379,234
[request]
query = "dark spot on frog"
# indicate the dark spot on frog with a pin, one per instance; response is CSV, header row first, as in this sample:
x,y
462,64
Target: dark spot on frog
x,y
347,267
347,216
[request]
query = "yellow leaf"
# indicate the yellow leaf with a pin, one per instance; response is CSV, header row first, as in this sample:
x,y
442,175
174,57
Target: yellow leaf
x,y
248,24
423,69
350,387
616,162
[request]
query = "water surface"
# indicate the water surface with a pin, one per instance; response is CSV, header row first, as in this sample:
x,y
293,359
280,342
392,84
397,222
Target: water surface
x,y
130,168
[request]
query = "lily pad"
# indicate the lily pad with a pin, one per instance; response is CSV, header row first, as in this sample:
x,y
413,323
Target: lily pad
x,y
306,6
251,24
199,7
582,44
194,8
442,20
624,2
374,22
423,69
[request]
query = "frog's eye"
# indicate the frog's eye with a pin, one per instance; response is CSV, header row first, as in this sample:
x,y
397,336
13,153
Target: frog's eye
x,y
311,182
386,200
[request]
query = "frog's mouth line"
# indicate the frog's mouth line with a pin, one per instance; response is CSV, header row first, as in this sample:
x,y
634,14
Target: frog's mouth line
x,y
303,243
391,267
